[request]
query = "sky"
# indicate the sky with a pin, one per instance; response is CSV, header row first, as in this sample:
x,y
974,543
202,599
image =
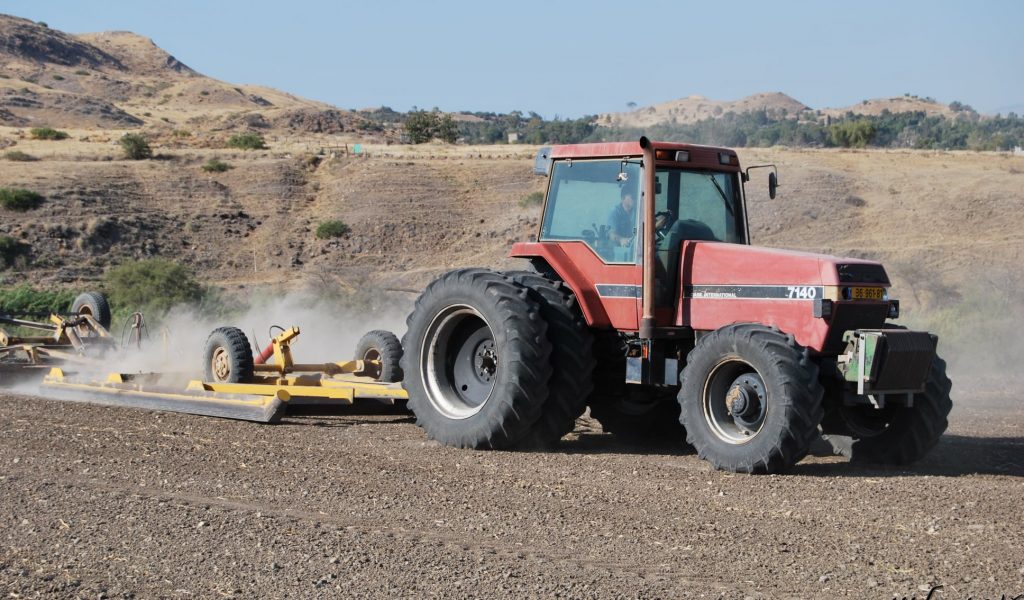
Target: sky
x,y
569,59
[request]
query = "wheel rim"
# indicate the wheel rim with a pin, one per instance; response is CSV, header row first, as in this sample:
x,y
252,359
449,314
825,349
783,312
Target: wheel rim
x,y
372,369
220,364
83,329
459,362
735,403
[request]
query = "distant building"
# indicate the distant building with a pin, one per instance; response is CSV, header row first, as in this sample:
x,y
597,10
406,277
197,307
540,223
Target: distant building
x,y
513,138
1018,151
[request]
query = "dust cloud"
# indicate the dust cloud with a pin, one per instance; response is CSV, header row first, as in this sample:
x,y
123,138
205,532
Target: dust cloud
x,y
978,322
329,331
173,346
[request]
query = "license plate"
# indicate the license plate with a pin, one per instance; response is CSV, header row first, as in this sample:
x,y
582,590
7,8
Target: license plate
x,y
867,293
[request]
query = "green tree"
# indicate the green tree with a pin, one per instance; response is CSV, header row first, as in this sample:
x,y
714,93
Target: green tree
x,y
856,134
446,129
152,285
420,125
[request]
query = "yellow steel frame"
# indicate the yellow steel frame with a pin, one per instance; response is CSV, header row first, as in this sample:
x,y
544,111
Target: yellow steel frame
x,y
284,389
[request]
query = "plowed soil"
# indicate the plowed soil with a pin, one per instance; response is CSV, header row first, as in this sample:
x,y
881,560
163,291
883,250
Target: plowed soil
x,y
101,502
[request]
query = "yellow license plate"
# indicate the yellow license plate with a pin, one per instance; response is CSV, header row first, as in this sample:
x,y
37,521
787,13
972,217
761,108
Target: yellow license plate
x,y
867,293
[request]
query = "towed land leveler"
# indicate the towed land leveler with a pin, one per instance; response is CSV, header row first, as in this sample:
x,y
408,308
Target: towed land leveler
x,y
237,385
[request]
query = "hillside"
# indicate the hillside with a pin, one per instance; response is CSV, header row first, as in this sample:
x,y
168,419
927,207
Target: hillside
x,y
775,105
120,80
697,108
898,104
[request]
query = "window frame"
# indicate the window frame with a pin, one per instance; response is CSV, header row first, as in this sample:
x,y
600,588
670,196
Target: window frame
x,y
741,223
637,256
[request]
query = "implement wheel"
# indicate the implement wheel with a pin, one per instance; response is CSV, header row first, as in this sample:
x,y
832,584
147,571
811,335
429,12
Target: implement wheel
x,y
750,398
228,356
94,304
895,435
476,360
381,346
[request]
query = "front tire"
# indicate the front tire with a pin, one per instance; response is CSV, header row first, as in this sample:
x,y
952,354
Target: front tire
x,y
750,398
476,360
894,435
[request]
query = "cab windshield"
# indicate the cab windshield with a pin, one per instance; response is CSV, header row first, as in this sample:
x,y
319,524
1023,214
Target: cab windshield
x,y
599,202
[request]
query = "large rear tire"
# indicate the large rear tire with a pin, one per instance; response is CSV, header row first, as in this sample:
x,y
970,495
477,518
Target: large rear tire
x,y
572,359
476,360
751,400
227,357
894,435
632,413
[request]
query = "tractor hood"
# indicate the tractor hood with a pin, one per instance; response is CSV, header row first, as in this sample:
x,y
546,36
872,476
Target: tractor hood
x,y
722,265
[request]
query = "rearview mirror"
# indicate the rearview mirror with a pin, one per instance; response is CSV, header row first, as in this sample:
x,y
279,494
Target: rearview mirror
x,y
773,178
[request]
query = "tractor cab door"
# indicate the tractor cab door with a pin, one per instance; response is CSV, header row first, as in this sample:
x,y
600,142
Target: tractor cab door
x,y
690,205
593,213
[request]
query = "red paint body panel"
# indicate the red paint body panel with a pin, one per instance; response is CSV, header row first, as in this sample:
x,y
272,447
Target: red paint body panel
x,y
703,263
713,263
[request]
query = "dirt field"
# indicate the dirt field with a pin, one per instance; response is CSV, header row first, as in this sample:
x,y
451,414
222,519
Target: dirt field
x,y
102,502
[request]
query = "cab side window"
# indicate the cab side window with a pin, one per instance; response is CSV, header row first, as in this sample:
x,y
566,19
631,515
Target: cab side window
x,y
596,202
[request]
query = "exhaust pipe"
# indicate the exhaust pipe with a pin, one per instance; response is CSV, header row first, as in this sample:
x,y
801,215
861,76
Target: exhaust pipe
x,y
647,290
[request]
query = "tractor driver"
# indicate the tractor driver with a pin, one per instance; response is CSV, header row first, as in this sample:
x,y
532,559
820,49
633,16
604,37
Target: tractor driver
x,y
622,219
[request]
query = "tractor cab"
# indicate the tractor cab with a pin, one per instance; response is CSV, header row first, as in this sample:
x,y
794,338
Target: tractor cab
x,y
596,210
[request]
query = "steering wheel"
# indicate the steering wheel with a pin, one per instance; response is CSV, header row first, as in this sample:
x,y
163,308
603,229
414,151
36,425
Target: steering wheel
x,y
668,219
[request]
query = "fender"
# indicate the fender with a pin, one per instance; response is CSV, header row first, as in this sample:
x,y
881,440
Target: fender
x,y
569,271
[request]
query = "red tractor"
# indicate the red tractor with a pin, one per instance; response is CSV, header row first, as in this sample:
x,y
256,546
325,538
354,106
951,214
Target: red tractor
x,y
647,303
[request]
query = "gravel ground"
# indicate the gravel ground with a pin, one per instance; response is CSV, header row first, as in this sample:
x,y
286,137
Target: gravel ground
x,y
101,502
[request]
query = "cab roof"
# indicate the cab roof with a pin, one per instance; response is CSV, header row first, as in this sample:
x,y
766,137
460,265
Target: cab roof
x,y
671,154
620,149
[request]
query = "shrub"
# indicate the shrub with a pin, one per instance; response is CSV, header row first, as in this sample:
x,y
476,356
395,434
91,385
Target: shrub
x,y
532,199
247,141
332,229
135,146
47,133
19,199
24,301
19,156
58,78
216,166
152,285
9,249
